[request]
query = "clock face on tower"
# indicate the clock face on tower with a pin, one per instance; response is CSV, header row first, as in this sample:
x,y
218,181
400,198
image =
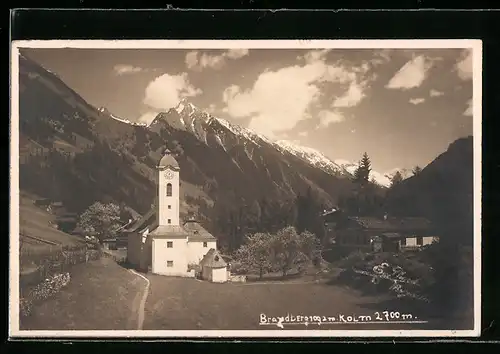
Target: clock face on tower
x,y
169,174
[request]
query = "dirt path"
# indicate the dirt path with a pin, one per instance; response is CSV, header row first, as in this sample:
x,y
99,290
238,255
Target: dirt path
x,y
138,307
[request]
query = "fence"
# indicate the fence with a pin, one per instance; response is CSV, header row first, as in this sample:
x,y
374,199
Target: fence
x,y
52,261
117,256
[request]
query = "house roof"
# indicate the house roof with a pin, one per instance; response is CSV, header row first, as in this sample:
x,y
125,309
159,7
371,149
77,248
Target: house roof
x,y
170,231
142,222
213,259
391,235
197,232
396,224
191,228
135,215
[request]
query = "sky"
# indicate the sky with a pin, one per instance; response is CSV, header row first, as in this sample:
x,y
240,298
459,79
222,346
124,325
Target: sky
x,y
403,107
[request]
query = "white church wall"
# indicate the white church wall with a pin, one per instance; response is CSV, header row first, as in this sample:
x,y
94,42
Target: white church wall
x,y
427,240
163,255
168,206
196,250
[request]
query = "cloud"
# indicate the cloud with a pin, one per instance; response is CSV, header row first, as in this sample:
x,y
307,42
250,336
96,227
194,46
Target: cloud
x,y
328,117
412,74
165,91
314,55
236,53
303,134
279,99
463,67
191,59
198,61
416,101
381,56
352,97
468,111
435,93
122,69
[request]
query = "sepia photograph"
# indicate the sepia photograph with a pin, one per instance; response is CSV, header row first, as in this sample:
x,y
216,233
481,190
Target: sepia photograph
x,y
245,188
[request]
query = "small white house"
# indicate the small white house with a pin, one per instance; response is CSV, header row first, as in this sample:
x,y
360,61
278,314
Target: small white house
x,y
158,241
214,268
418,241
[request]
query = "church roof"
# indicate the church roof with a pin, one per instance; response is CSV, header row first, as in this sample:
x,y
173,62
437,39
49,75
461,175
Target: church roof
x,y
168,160
170,231
197,232
191,228
213,259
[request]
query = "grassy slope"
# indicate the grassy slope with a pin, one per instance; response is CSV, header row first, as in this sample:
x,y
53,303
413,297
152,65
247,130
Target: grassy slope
x,y
101,295
176,303
35,221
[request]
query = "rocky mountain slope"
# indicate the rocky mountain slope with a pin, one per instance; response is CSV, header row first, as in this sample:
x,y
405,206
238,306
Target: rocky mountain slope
x,y
75,153
442,191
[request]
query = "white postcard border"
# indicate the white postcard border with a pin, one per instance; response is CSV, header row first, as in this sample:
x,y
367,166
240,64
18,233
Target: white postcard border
x,y
15,332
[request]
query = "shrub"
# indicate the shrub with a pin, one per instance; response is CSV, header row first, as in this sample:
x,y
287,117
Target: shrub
x,y
43,291
401,274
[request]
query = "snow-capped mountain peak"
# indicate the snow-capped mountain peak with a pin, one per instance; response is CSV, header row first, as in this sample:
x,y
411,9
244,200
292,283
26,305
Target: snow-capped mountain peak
x,y
242,132
187,116
313,156
192,117
186,107
104,110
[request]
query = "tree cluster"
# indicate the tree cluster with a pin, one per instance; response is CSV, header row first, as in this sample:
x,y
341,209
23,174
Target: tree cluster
x,y
366,199
234,221
101,220
282,251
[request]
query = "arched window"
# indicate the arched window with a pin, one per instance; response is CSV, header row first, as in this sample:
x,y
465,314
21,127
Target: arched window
x,y
169,190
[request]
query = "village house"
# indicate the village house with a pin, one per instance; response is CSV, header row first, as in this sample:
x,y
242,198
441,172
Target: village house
x,y
159,241
377,233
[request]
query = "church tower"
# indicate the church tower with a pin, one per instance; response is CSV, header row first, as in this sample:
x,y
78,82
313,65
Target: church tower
x,y
168,191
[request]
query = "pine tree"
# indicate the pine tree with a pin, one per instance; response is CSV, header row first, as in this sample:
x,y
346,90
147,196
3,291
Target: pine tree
x,y
362,172
396,179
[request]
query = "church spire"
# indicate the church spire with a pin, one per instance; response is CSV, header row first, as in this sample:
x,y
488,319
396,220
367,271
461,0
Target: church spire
x,y
168,190
168,160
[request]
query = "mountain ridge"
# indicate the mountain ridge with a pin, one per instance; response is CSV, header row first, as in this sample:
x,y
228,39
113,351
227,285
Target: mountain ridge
x,y
186,116
73,152
69,145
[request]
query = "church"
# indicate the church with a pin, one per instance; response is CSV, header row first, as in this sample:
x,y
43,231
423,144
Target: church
x,y
159,242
